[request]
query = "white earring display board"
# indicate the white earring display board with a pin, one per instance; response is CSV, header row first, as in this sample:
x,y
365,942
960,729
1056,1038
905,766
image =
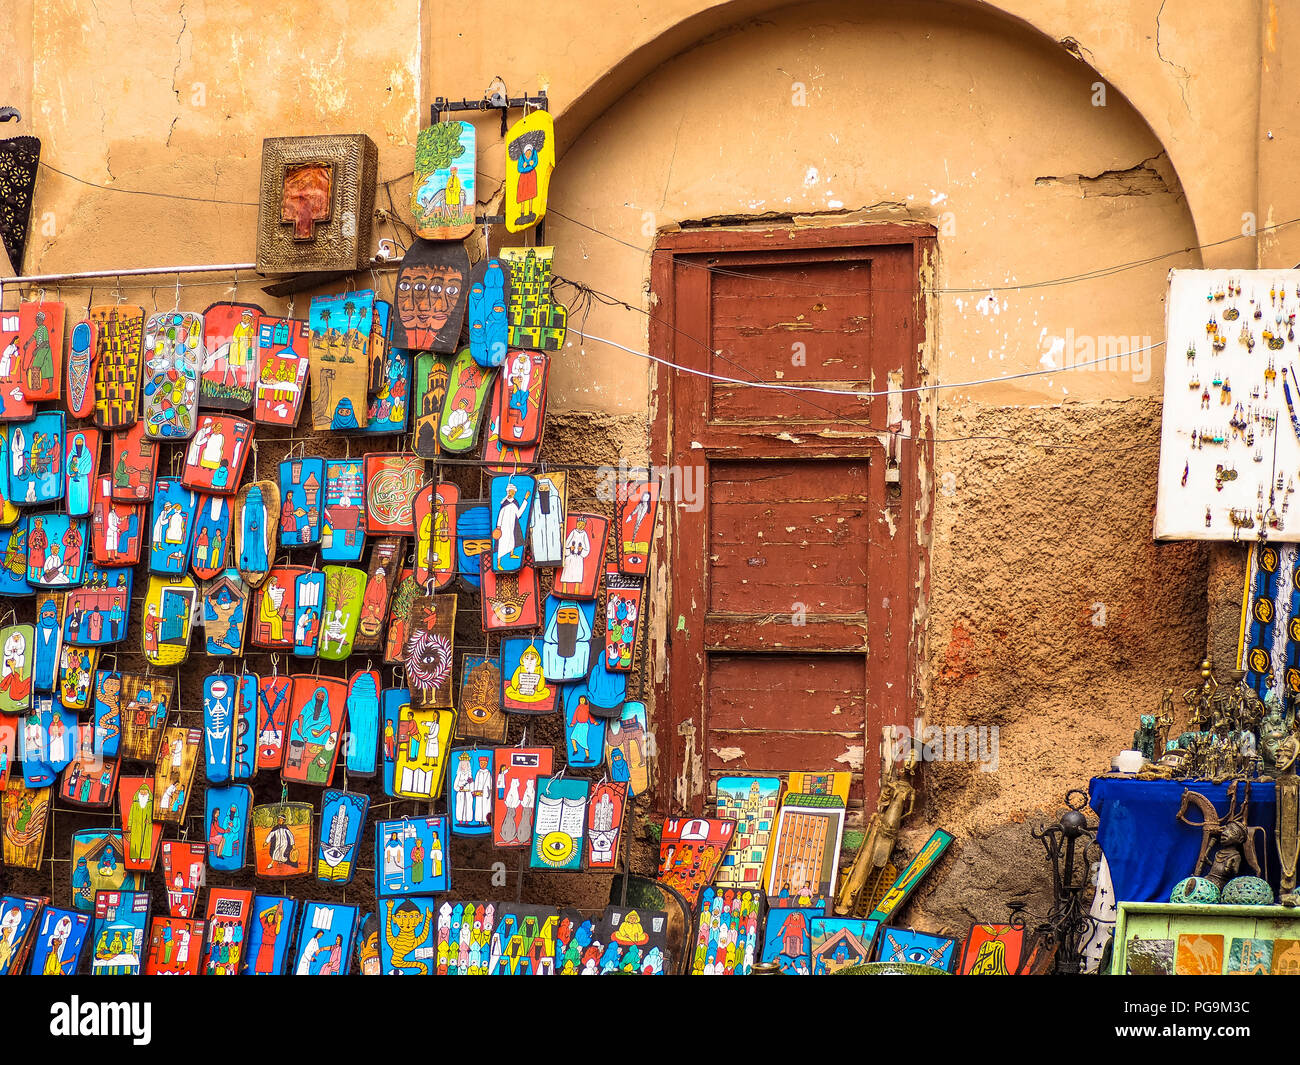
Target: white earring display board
x,y
1230,433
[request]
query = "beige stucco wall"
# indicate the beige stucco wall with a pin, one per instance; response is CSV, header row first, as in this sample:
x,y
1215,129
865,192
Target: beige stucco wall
x,y
972,117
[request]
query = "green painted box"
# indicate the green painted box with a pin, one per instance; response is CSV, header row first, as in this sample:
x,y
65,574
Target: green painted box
x,y
1161,938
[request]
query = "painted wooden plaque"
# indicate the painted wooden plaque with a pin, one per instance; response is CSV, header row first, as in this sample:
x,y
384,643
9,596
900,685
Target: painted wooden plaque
x,y
390,406
622,619
415,744
726,932
173,358
385,561
432,376
343,525
230,365
469,386
211,540
339,352
486,311
464,937
178,756
368,960
392,483
530,152
14,404
96,858
48,738
752,802
40,349
411,857
804,859
583,556
146,699
362,749
18,925
36,450
8,748
119,332
638,504
442,190
60,943
76,675
308,607
25,812
690,851
141,834
47,640
566,647
480,716
273,697
525,688
628,748
227,812
89,779
560,826
995,950
435,542
272,609
342,821
512,502
253,524
243,750
428,656
83,352
536,319
229,913
282,839
473,541
325,939
500,456
302,492
219,691
282,367
17,661
269,935
469,803
118,938
431,288
605,823
56,550
13,560
174,947
225,614
584,729
407,943
399,616
171,522
548,526
134,465
841,943
80,468
115,528
9,513
343,589
522,398
214,459
315,724
169,608
515,797
510,601
906,946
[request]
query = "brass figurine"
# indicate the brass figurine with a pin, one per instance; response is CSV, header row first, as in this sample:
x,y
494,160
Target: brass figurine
x,y
1231,837
897,798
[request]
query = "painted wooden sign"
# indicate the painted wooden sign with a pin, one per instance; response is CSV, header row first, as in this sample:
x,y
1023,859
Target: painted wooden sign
x,y
548,523
363,722
282,367
83,352
211,539
8,748
804,860
225,612
169,608
60,943
184,864
407,943
325,939
173,358
536,320
605,823
17,661
178,755
515,798
473,541
273,698
97,865
584,729
40,349
118,936
488,299
145,701
690,851
635,521
390,405
342,821
907,947
119,332
134,465
922,862
90,779
530,150
273,609
368,960
115,528
522,398
13,560
499,456
385,561
524,687
431,288
25,812
442,192
344,586
995,950
17,931
415,745
227,812
80,468
269,934
171,521
752,802
468,387
628,747
47,640
726,932
339,351
428,656
470,803
512,502
560,827
14,404
253,524
399,616
36,450
9,513
141,834
584,556
243,752
76,675
174,947
56,550
432,376
219,692
214,459
229,912
480,716
392,483
464,938
622,619
317,710
411,856
343,526
282,839
230,363
302,491
566,646
510,601
435,542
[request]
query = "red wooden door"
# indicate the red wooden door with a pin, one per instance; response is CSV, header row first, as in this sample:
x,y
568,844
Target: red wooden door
x,y
792,569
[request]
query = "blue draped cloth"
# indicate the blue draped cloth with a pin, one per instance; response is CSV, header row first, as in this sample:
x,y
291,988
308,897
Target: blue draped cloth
x,y
1149,850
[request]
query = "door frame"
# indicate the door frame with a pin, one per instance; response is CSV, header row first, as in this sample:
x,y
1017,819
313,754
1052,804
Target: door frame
x,y
681,781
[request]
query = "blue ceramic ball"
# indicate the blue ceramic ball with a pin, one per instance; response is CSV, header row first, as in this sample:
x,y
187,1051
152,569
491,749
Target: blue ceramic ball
x,y
1247,891
1195,891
